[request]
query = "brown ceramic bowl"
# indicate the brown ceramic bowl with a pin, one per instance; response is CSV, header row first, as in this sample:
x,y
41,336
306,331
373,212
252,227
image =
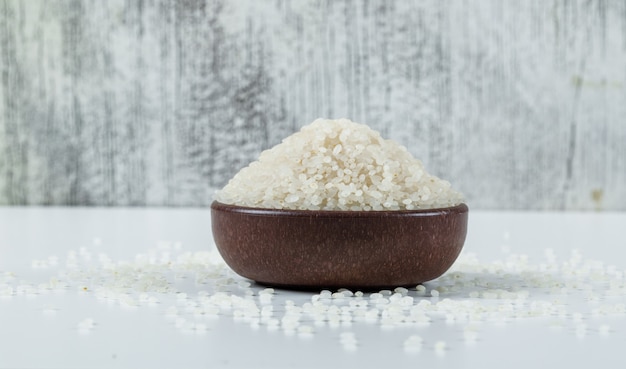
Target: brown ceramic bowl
x,y
306,249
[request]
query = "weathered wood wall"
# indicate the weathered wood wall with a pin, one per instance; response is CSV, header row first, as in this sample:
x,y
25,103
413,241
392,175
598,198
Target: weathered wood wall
x,y
520,104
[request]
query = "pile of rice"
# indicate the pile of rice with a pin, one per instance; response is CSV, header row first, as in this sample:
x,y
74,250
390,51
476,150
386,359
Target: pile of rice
x,y
337,165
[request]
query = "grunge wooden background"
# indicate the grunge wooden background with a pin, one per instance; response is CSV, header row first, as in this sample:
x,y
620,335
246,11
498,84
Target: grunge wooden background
x,y
520,104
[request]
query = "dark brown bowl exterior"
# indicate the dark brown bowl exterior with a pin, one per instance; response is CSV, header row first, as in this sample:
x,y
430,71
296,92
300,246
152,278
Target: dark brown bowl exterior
x,y
332,249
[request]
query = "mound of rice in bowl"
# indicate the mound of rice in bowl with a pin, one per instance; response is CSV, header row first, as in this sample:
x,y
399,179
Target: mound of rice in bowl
x,y
337,165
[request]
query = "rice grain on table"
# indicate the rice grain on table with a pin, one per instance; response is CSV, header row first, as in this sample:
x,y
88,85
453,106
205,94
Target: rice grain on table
x,y
337,165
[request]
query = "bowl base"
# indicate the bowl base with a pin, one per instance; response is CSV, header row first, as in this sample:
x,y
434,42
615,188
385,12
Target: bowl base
x,y
353,288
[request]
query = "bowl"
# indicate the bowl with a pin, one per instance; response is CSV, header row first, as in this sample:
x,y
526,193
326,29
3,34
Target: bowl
x,y
305,249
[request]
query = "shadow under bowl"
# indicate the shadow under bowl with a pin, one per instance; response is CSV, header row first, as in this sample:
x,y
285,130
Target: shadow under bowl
x,y
306,249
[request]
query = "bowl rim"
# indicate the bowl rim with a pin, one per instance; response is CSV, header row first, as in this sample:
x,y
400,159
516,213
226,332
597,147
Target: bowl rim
x,y
457,209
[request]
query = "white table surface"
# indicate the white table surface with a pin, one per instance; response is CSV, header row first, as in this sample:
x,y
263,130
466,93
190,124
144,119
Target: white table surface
x,y
43,329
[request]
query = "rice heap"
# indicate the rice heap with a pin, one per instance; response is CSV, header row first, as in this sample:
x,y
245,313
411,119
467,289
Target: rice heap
x,y
337,165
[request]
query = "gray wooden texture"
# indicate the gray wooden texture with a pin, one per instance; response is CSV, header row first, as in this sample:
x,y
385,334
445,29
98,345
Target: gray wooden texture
x,y
520,104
